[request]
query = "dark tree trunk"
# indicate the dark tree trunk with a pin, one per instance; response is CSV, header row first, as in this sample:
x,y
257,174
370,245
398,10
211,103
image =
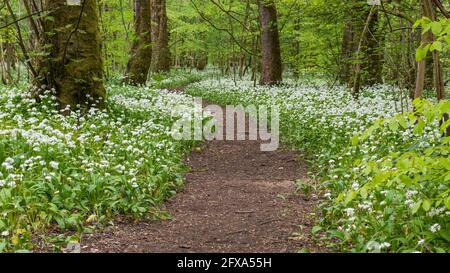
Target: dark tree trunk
x,y
141,51
347,51
73,66
361,54
428,11
160,37
202,61
374,52
271,67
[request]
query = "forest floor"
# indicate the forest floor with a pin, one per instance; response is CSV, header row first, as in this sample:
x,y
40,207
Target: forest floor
x,y
236,199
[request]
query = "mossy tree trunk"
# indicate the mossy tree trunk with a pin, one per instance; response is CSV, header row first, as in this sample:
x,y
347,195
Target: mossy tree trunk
x,y
160,37
271,67
73,65
141,51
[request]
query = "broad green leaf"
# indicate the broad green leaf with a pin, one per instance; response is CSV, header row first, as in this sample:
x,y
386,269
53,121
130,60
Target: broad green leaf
x,y
426,205
422,52
436,45
416,207
363,192
447,202
316,229
350,196
436,28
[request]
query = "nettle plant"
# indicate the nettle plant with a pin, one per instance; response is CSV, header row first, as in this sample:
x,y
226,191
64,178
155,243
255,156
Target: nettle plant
x,y
395,184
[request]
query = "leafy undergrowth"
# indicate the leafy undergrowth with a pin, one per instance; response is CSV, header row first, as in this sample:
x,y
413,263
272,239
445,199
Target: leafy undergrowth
x,y
386,175
79,170
176,79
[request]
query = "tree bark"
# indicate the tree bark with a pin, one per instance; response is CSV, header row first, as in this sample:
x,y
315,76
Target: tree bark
x,y
374,52
427,38
160,37
141,50
361,54
347,50
73,66
271,67
358,81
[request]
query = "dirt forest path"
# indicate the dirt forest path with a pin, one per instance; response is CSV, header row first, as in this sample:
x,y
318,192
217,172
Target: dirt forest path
x,y
236,199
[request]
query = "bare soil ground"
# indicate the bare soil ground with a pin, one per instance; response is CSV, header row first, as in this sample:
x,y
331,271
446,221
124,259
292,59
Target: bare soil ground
x,y
236,199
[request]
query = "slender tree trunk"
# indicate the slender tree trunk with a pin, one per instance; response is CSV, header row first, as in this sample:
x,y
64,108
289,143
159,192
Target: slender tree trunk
x,y
427,8
357,83
160,37
73,66
374,52
141,50
361,53
347,50
271,67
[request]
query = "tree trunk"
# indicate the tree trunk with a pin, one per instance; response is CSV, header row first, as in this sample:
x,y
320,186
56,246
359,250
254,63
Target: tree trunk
x,y
73,66
271,67
141,51
427,8
347,50
160,37
361,53
358,81
374,52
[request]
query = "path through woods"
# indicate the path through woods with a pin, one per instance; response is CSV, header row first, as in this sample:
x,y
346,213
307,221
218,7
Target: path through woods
x,y
236,199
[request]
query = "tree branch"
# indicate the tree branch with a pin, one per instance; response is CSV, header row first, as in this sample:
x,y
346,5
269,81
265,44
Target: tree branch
x,y
442,8
220,29
17,20
20,40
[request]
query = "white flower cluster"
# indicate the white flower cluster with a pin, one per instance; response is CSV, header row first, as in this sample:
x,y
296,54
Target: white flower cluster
x,y
327,122
103,161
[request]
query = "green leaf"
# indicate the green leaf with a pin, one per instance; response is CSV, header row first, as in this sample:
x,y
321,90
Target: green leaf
x,y
363,192
419,127
422,52
393,125
337,234
436,45
350,196
445,106
416,207
426,205
402,122
447,39
355,140
445,125
436,28
417,24
445,234
447,202
316,229
445,162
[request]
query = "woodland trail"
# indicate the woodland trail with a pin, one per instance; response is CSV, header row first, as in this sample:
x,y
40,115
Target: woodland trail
x,y
236,199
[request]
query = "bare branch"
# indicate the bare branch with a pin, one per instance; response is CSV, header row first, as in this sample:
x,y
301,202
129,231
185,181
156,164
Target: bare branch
x,y
442,8
220,29
20,40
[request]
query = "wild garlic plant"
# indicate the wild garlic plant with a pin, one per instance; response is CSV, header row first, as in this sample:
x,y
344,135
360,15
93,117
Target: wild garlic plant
x,y
385,174
80,169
